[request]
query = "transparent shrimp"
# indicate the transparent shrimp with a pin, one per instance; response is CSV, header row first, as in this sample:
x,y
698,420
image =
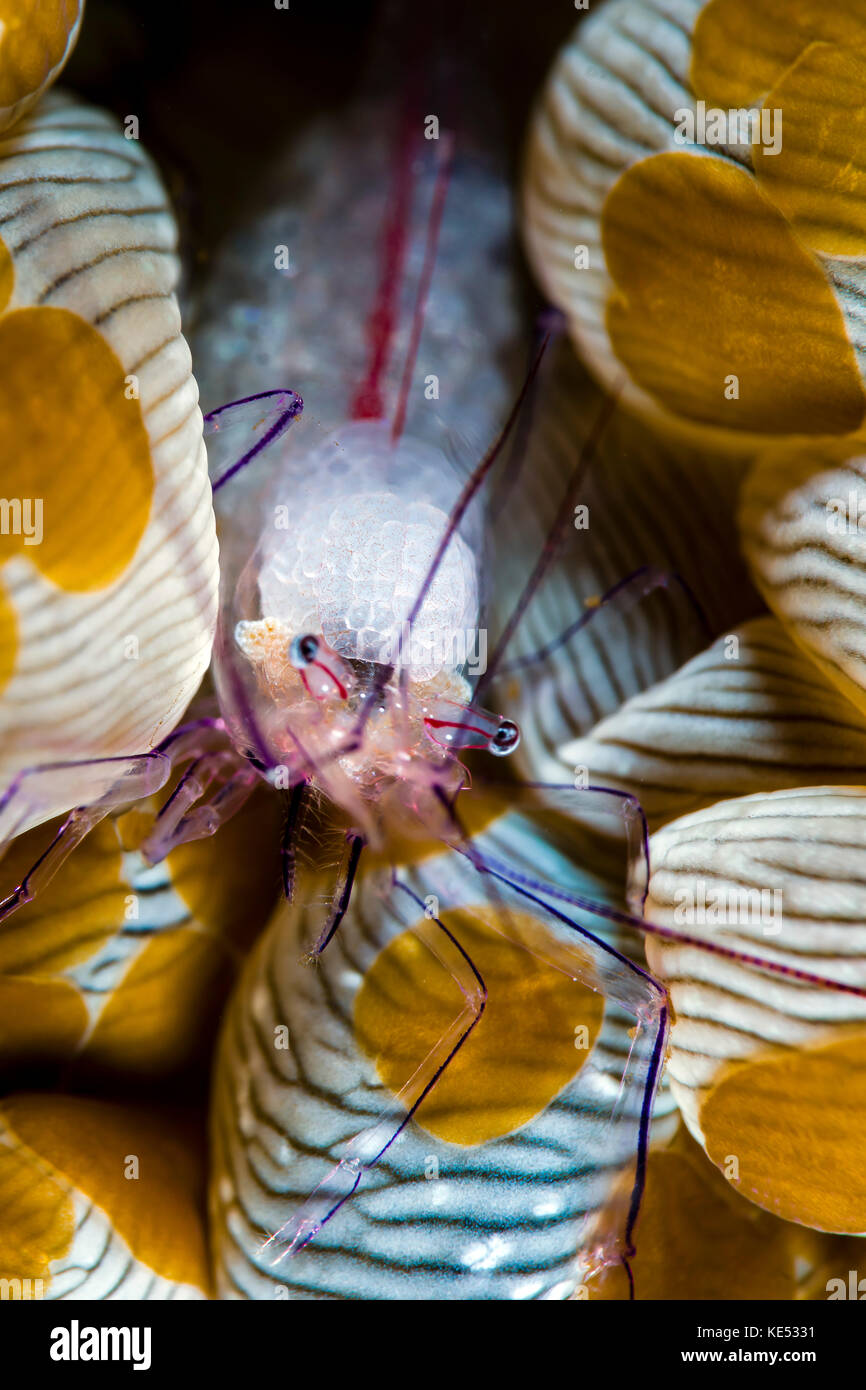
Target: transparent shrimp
x,y
350,653
349,627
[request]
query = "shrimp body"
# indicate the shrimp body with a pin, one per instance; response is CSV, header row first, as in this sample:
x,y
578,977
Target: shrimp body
x,y
363,531
406,353
354,633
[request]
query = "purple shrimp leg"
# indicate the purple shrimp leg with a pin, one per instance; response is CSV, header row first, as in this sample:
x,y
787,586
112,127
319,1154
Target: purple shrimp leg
x,y
631,985
651,1011
342,894
217,782
268,414
369,1147
540,891
617,917
656,1017
624,806
288,847
34,788
215,768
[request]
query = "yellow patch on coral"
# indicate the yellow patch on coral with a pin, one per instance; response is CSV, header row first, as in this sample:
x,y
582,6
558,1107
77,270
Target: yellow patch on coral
x,y
8,639
34,35
89,1142
230,880
741,47
40,1020
818,179
165,1008
73,446
478,809
678,220
521,1053
164,1011
796,1124
7,275
698,1241
38,1221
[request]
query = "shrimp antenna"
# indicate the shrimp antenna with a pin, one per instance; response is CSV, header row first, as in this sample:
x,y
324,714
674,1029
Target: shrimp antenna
x,y
434,225
367,403
474,483
549,321
557,532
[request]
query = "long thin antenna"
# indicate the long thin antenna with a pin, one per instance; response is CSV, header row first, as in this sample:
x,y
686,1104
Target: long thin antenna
x,y
434,224
554,539
381,322
474,484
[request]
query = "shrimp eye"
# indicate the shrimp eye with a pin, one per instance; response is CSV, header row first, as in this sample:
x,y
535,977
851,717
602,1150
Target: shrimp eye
x,y
304,650
506,738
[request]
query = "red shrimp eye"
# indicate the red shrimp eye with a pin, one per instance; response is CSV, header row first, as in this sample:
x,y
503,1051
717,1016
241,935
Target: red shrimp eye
x,y
304,650
506,738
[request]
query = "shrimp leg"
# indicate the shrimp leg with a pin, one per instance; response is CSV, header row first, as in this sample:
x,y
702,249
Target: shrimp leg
x,y
368,1147
653,1013
265,416
215,784
22,806
624,981
572,801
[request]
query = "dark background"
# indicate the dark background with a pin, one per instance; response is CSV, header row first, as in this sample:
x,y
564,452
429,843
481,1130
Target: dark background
x,y
219,85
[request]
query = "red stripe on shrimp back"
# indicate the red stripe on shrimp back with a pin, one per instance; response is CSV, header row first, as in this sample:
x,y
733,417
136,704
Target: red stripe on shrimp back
x,y
382,321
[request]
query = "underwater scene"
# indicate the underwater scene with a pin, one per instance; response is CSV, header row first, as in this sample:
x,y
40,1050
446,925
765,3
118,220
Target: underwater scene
x,y
432,652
